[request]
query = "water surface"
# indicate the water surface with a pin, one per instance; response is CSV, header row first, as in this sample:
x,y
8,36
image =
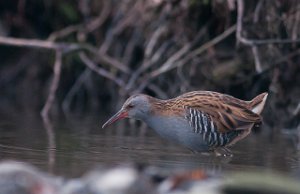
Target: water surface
x,y
80,144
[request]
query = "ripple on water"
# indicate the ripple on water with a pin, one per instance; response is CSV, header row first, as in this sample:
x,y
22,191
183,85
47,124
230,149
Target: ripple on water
x,y
83,145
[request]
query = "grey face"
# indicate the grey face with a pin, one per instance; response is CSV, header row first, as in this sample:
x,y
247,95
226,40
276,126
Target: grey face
x,y
137,106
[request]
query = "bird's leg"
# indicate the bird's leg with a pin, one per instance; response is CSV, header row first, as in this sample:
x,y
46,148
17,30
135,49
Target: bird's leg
x,y
228,152
223,152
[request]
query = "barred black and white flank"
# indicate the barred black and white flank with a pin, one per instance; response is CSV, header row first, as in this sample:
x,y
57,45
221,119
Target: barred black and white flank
x,y
203,124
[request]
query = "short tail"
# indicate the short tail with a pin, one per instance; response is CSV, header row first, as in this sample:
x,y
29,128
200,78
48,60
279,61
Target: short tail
x,y
257,104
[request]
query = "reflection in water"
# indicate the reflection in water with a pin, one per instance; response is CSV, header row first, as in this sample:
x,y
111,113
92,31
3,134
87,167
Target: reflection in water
x,y
80,144
51,143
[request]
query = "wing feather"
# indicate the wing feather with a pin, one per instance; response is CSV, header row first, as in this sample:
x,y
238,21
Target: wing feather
x,y
227,112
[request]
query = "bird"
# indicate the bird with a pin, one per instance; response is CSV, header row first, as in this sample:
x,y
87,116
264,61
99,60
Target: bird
x,y
202,121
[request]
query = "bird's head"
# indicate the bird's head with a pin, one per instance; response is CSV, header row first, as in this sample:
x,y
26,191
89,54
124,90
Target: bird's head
x,y
136,107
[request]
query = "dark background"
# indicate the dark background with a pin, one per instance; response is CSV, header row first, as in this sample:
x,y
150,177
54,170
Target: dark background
x,y
144,37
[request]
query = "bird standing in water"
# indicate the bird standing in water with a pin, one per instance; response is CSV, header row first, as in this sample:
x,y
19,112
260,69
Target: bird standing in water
x,y
200,120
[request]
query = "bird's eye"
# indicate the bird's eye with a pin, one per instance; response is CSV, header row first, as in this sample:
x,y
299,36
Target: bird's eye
x,y
130,106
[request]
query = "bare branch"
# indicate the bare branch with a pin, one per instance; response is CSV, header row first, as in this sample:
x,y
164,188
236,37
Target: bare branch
x,y
195,52
254,48
258,67
282,59
89,27
102,72
297,110
214,41
147,64
168,64
54,85
64,47
128,51
160,93
175,61
109,36
64,32
295,29
98,21
20,42
45,44
250,42
60,50
153,40
104,58
76,86
257,10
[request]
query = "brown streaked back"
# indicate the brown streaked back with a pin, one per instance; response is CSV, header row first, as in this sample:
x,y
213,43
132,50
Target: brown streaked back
x,y
227,112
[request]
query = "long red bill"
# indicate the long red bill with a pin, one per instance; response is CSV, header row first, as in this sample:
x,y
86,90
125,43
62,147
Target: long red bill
x,y
119,115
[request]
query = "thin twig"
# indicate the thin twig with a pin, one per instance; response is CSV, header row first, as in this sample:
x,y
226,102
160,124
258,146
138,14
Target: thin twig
x,y
102,72
99,21
254,48
168,64
20,42
111,32
104,58
130,18
64,32
258,67
205,46
54,84
280,60
250,42
297,110
256,11
195,52
131,45
147,64
45,44
64,48
160,93
83,28
246,41
295,29
175,61
76,86
109,37
87,28
153,40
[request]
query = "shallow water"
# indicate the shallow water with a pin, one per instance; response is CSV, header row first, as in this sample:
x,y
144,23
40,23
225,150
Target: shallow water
x,y
79,144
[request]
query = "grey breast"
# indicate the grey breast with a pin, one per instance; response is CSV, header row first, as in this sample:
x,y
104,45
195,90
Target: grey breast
x,y
179,130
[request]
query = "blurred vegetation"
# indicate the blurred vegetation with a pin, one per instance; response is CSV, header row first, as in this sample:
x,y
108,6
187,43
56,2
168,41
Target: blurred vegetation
x,y
154,47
